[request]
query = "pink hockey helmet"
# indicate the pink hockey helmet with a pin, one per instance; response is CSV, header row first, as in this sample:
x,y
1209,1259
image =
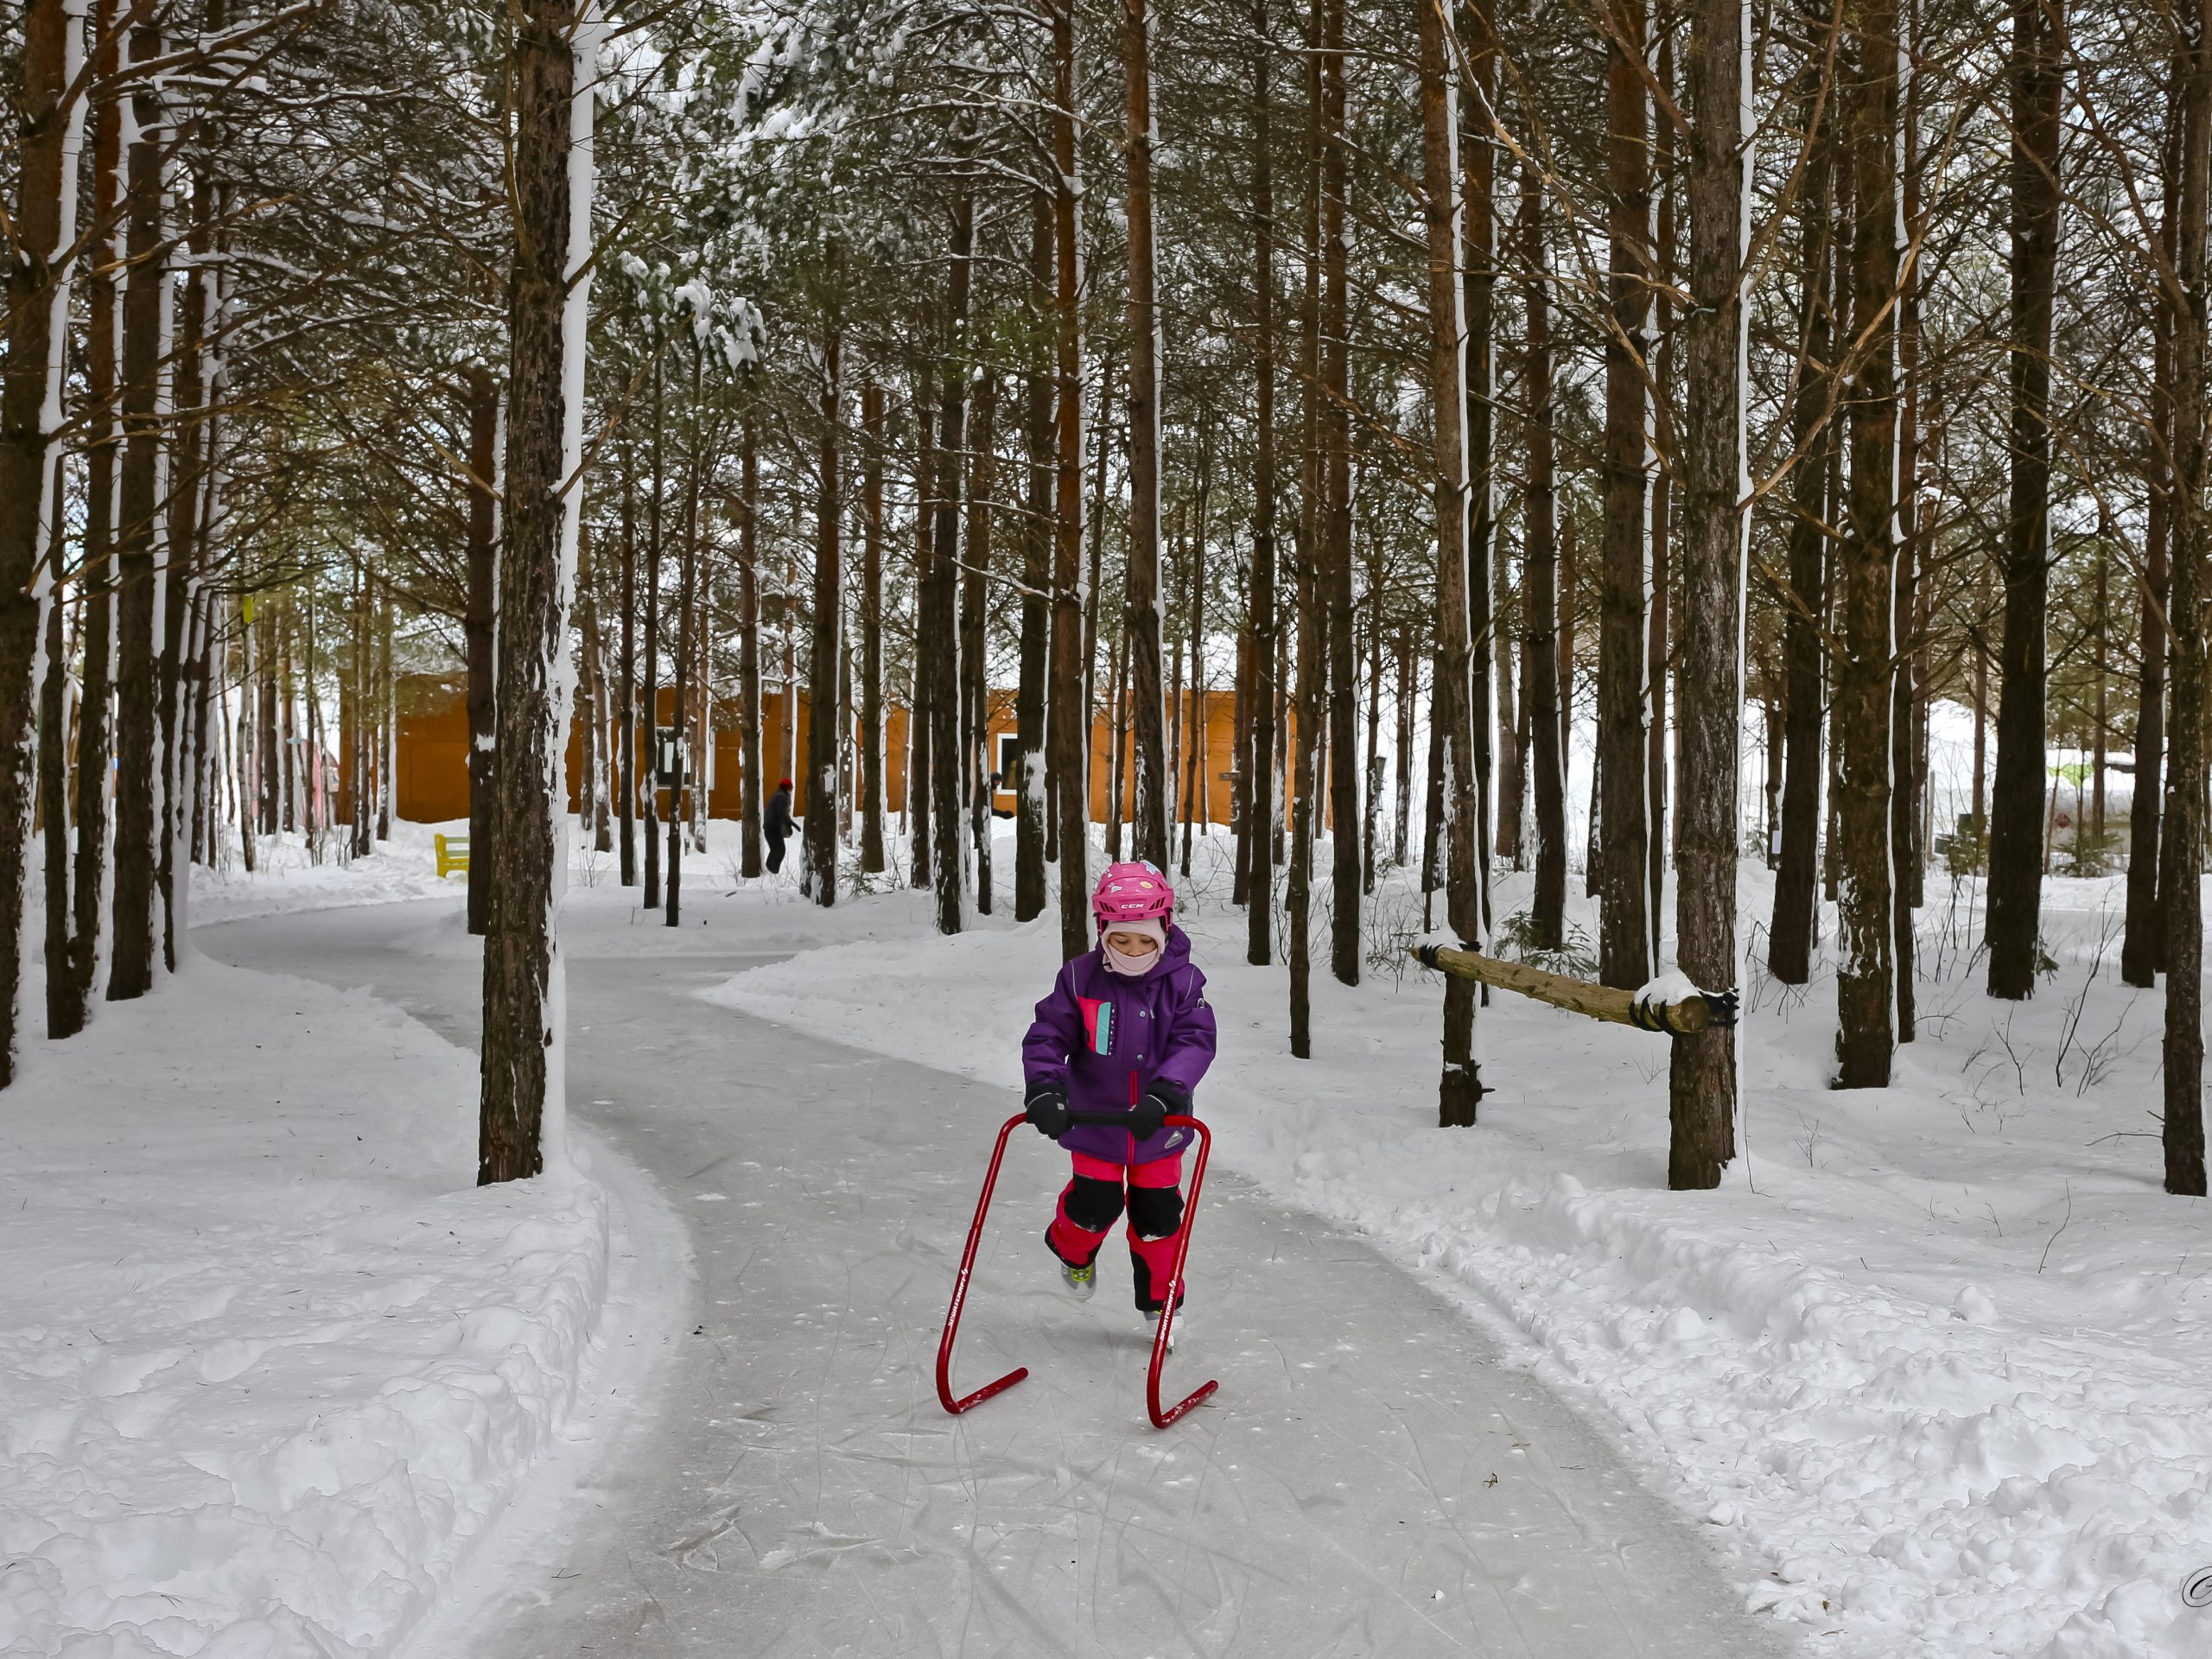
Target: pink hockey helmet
x,y
1132,893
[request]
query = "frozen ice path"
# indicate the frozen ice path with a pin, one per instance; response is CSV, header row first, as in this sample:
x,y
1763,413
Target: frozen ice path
x,y
1369,1480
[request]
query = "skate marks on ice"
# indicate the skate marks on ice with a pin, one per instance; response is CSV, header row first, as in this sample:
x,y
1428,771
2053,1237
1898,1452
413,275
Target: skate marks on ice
x,y
1369,1480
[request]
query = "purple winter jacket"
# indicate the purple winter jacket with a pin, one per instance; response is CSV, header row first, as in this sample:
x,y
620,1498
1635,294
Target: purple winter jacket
x,y
1098,1028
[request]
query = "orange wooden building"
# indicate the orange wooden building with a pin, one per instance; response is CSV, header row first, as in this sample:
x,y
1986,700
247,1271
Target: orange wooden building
x,y
433,752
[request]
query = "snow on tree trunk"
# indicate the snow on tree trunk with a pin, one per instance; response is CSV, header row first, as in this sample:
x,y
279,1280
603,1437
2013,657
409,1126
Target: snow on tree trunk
x,y
47,135
1701,1075
142,530
523,1108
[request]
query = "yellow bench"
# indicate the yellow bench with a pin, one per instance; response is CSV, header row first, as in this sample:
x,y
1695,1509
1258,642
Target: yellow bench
x,y
453,854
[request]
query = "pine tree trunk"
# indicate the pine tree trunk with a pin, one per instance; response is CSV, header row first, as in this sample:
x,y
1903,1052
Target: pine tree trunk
x,y
751,738
1408,691
1032,802
524,1080
1480,263
1298,889
591,689
2143,947
1140,583
689,764
1263,793
588,726
873,859
1194,745
1547,582
1701,1074
64,1012
926,662
388,729
1117,744
824,704
186,437
1623,888
44,215
941,625
2141,951
626,723
1865,985
2182,1050
145,338
1336,426
478,627
1069,736
2016,820
1512,759
1459,1088
1905,807
102,375
975,683
1660,651
649,713
1813,426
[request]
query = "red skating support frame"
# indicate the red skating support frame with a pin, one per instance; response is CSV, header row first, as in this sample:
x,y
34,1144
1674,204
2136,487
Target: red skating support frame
x,y
960,1290
1161,1337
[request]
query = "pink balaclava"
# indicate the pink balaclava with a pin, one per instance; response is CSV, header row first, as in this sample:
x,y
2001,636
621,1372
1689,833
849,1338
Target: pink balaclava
x,y
1135,967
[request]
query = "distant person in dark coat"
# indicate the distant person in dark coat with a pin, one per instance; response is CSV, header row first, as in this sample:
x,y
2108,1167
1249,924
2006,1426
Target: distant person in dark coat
x,y
775,823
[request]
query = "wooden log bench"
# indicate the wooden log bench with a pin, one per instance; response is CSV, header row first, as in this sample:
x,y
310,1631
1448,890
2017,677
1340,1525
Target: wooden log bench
x,y
1678,1015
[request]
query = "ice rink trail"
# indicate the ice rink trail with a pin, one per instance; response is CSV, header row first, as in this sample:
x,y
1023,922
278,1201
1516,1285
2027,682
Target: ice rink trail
x,y
1371,1480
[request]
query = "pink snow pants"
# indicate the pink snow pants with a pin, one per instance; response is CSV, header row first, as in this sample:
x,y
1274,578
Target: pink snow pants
x,y
1093,1201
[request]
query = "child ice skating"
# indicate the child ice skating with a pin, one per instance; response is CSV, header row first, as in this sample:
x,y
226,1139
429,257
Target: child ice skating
x,y
1126,1021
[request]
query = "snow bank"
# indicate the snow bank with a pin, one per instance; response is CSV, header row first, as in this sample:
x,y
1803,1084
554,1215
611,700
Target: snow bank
x,y
289,878
268,1362
1933,1365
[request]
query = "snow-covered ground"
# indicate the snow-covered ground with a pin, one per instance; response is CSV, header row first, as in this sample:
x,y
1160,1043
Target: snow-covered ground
x,y
286,877
270,1361
1932,1363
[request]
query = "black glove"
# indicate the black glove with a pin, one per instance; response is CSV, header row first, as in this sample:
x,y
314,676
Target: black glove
x,y
1163,1097
1047,1107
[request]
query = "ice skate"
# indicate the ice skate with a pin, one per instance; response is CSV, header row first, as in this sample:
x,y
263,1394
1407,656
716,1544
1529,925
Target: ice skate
x,y
1080,1281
